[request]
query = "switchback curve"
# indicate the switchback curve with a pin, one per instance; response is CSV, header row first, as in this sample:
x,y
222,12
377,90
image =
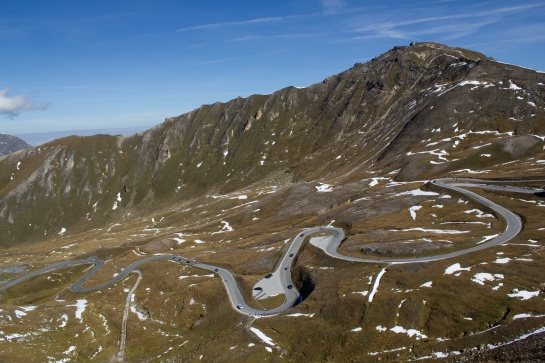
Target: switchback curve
x,y
329,246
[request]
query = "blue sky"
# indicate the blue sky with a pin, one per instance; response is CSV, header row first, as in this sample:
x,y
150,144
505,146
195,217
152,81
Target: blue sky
x,y
78,65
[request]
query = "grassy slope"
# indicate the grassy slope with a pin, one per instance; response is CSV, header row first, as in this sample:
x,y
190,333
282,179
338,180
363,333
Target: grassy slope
x,y
338,145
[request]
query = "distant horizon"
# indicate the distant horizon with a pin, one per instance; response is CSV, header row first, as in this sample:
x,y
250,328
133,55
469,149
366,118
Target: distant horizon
x,y
40,138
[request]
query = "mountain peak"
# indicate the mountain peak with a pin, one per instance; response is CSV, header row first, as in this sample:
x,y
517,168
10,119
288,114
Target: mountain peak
x,y
10,144
434,49
229,184
383,117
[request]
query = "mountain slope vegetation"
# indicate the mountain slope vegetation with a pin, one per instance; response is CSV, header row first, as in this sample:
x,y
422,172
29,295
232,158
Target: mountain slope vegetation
x,y
230,184
407,109
379,116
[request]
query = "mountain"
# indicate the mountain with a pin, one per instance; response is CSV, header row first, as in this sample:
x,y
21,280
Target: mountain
x,y
376,117
231,183
39,138
10,144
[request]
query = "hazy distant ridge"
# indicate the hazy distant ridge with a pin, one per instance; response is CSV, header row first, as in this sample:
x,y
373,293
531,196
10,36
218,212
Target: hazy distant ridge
x,y
10,144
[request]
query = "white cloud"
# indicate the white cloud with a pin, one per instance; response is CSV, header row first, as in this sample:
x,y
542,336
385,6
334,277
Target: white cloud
x,y
409,25
245,22
277,36
11,106
332,6
236,58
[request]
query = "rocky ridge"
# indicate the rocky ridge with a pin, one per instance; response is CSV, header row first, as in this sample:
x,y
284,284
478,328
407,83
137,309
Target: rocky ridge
x,y
230,184
416,112
10,144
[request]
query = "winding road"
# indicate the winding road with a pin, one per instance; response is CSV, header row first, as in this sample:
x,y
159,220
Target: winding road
x,y
279,281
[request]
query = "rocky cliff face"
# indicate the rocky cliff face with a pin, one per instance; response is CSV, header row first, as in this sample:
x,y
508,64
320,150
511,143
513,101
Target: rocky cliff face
x,y
10,144
418,112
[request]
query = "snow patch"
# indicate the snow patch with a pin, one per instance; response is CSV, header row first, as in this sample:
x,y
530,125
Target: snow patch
x,y
410,332
513,86
481,277
179,239
455,268
438,231
488,238
226,228
523,294
364,293
64,320
262,336
375,285
323,188
522,337
413,210
80,308
502,260
375,181
476,83
417,193
523,316
300,314
479,213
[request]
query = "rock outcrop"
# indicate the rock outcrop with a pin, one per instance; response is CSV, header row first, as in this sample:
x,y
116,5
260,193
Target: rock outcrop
x,y
416,112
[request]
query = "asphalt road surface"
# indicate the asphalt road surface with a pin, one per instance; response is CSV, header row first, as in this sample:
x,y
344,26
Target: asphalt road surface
x,y
280,282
